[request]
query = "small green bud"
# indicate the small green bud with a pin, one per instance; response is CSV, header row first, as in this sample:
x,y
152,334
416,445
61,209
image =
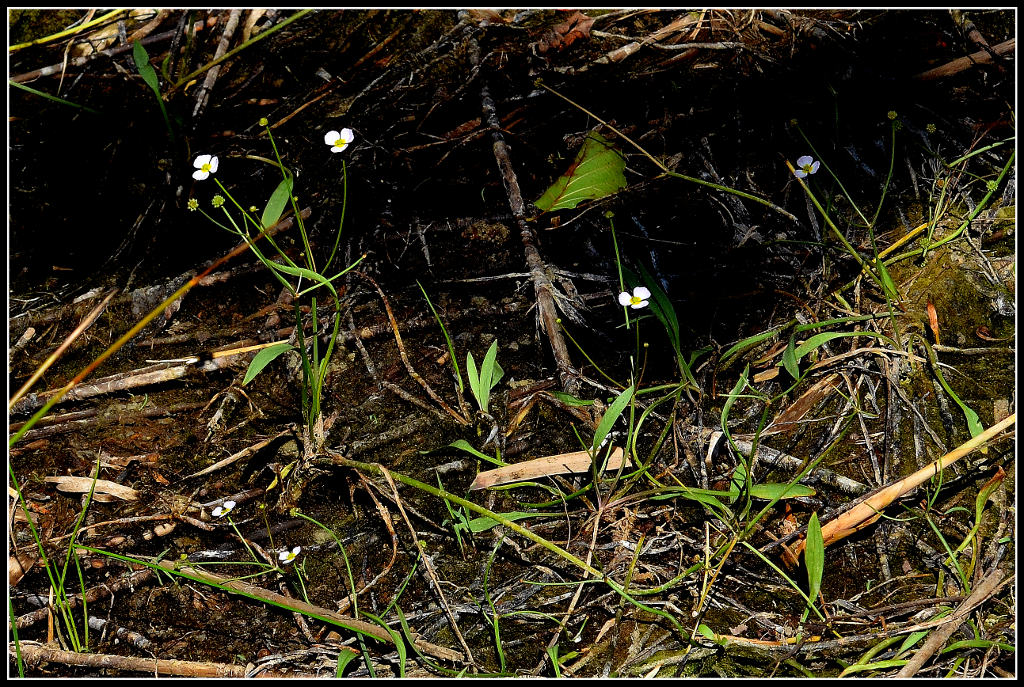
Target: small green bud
x,y
263,121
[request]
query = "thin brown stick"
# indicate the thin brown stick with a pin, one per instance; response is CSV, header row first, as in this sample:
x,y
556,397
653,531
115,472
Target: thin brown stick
x,y
110,52
960,64
33,653
544,289
938,638
462,420
244,453
431,573
870,509
53,357
91,595
203,93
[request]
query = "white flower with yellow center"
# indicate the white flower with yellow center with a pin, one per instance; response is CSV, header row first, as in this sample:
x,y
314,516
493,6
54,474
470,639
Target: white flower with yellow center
x,y
637,300
205,166
287,557
339,140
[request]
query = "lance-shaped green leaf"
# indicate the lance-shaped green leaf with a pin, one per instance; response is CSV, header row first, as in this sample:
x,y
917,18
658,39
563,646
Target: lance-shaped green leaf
x,y
610,416
277,203
596,172
814,557
264,358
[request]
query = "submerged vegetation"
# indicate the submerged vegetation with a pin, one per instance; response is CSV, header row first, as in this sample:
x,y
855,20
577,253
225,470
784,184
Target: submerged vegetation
x,y
748,411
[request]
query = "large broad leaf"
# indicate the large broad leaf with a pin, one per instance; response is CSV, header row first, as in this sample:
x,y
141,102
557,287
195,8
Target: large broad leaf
x,y
595,173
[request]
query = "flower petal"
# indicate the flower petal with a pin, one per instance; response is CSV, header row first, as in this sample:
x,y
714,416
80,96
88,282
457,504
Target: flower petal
x,y
347,135
330,137
199,175
814,167
641,292
641,304
799,173
804,161
625,298
201,160
214,163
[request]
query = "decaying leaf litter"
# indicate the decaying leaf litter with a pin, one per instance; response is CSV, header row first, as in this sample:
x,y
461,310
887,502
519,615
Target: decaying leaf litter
x,y
796,360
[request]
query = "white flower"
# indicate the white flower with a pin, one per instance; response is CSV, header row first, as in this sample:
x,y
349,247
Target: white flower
x,y
806,165
637,300
339,140
224,509
205,166
287,557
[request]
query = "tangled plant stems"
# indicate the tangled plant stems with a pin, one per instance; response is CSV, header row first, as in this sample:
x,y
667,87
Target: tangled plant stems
x,y
299,279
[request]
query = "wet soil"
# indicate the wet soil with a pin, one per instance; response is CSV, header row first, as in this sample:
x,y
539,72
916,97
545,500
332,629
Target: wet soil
x,y
98,203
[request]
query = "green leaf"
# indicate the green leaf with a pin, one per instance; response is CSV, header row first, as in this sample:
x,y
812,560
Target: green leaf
x,y
984,493
148,75
277,203
487,372
814,557
739,479
570,400
973,421
345,656
610,416
146,70
878,665
596,172
774,491
264,358
789,359
662,308
473,375
483,523
447,339
976,644
464,445
887,283
819,339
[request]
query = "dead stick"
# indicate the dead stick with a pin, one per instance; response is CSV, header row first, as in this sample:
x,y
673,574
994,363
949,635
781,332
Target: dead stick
x,y
958,65
203,94
130,334
462,419
91,595
870,509
309,610
33,653
539,274
78,331
983,591
60,67
429,567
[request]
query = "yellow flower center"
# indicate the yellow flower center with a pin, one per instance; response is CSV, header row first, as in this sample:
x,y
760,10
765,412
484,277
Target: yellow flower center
x,y
206,167
635,300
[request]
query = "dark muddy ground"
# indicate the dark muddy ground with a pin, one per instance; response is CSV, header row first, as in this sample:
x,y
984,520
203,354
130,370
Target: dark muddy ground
x,y
98,206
